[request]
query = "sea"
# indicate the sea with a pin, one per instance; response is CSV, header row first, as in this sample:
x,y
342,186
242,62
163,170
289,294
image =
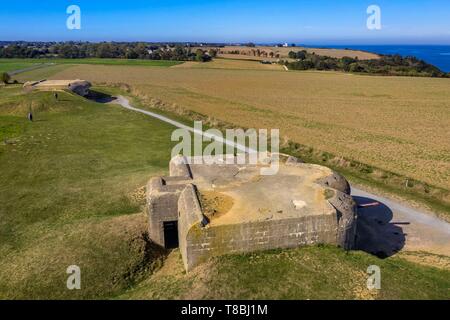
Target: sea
x,y
437,55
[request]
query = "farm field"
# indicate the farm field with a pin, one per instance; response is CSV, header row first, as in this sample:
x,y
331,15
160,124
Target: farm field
x,y
72,193
17,64
225,52
231,64
399,124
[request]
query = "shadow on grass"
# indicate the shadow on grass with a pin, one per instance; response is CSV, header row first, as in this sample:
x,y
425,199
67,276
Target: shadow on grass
x,y
376,233
100,97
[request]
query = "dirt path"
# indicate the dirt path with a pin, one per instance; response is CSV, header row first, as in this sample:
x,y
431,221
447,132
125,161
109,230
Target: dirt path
x,y
124,102
383,229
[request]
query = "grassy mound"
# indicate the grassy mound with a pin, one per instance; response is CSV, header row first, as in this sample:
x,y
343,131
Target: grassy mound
x,y
319,272
113,253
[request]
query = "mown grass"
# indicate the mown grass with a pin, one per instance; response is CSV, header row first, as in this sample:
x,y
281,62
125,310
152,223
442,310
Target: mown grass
x,y
41,73
7,65
317,272
90,61
70,193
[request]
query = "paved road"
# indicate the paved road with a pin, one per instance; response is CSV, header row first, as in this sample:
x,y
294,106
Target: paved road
x,y
383,229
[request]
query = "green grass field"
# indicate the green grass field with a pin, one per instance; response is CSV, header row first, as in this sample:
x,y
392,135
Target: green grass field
x,y
71,193
17,64
6,65
70,190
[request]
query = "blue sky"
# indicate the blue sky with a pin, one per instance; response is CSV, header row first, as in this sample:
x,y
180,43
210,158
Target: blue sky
x,y
300,21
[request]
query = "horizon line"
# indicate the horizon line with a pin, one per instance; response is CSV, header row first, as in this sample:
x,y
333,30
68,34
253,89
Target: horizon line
x,y
290,43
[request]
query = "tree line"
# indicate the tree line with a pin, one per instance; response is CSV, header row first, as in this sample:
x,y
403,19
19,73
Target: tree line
x,y
72,50
394,65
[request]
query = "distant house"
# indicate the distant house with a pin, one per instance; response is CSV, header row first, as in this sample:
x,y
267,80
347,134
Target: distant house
x,y
80,87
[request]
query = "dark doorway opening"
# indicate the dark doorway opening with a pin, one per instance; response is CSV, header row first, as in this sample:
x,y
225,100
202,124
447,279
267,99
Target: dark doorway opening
x,y
171,234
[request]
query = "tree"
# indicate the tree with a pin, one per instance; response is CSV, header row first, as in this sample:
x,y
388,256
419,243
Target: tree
x,y
5,77
354,67
320,65
292,55
213,53
69,51
301,55
179,53
201,56
104,51
131,54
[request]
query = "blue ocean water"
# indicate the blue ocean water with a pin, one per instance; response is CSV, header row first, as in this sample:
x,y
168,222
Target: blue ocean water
x,y
437,55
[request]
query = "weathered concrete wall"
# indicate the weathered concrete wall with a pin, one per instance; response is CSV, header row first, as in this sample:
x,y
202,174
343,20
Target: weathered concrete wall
x,y
190,217
179,167
336,181
346,219
204,243
162,206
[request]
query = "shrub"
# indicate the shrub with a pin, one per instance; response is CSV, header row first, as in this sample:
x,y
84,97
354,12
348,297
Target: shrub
x,y
386,65
5,77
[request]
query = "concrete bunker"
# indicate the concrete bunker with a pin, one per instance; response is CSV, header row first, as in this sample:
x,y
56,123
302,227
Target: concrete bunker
x,y
170,229
210,210
79,87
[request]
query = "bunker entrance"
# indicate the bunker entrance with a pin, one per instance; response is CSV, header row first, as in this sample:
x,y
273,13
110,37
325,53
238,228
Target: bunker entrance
x,y
171,234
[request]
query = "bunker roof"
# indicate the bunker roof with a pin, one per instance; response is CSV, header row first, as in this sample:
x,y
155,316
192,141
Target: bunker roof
x,y
291,193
